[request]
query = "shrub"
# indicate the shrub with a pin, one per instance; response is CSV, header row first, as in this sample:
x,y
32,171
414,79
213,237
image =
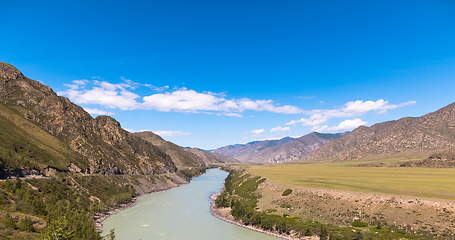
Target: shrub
x,y
286,192
58,229
285,205
8,222
26,225
358,223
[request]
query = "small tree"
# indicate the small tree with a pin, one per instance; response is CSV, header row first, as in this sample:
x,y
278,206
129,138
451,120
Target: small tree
x,y
58,229
286,192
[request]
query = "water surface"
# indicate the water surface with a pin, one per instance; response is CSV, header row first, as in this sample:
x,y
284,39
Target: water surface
x,y
179,213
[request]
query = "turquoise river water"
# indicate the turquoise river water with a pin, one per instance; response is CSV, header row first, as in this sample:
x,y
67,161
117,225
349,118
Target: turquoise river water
x,y
181,213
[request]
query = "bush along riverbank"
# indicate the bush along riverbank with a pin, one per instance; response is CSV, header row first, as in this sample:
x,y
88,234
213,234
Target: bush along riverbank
x,y
241,198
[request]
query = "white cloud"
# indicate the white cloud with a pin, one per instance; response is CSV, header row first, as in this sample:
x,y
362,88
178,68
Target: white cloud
x,y
185,100
344,125
121,96
95,111
318,117
171,133
280,129
230,114
257,131
102,93
380,105
182,100
155,88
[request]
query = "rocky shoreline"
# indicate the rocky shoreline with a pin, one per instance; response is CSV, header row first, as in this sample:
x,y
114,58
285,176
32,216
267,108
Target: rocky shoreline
x,y
100,217
225,216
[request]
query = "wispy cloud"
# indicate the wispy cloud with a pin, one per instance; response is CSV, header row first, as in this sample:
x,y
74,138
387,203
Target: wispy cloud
x,y
280,129
257,131
171,133
344,125
95,111
122,96
162,133
317,118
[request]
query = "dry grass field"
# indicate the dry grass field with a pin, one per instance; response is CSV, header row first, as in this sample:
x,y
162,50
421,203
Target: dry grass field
x,y
437,183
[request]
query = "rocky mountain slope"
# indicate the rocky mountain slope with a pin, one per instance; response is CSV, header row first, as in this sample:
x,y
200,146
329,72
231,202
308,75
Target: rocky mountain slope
x,y
183,157
277,151
430,135
41,130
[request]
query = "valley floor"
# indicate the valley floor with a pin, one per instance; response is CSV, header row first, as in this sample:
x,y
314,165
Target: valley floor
x,y
433,183
416,200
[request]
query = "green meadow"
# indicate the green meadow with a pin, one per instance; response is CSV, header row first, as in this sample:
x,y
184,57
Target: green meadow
x,y
436,183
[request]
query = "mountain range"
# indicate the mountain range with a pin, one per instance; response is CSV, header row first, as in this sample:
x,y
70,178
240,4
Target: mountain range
x,y
277,151
426,141
429,140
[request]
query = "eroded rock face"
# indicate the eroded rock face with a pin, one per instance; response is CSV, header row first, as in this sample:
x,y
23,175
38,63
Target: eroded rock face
x,y
8,72
100,143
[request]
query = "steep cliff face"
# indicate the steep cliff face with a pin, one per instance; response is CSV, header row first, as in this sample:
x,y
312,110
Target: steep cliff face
x,y
277,151
51,131
422,136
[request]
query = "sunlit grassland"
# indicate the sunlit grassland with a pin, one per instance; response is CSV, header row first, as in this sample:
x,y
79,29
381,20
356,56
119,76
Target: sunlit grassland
x,y
420,182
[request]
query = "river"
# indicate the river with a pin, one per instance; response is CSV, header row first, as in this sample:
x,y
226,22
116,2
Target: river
x,y
181,213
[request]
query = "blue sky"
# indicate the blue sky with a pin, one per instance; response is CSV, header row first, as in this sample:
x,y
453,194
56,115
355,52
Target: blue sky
x,y
212,73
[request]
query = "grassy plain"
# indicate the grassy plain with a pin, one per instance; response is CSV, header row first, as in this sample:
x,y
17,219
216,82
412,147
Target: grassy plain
x,y
438,183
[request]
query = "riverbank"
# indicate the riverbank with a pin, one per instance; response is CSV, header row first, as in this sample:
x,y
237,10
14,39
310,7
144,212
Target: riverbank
x,y
100,217
224,214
